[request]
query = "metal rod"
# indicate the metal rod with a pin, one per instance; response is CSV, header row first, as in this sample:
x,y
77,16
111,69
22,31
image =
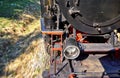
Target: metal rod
x,y
74,32
58,17
61,58
55,66
77,2
61,68
71,66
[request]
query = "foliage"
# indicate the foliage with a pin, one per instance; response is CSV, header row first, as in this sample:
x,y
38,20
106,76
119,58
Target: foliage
x,y
14,8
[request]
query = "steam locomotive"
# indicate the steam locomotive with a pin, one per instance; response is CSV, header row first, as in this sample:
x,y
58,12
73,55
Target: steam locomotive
x,y
82,37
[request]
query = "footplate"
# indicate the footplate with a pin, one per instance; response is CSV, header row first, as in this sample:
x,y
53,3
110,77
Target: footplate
x,y
97,47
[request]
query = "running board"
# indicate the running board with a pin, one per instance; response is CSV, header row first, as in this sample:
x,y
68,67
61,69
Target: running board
x,y
98,47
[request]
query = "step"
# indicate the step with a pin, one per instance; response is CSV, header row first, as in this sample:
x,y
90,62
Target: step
x,y
57,46
53,32
50,31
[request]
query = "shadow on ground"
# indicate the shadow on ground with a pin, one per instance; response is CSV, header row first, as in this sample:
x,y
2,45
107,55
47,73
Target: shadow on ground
x,y
10,50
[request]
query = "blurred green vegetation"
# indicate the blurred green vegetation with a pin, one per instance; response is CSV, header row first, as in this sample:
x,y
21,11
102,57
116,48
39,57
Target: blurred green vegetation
x,y
14,8
17,13
19,37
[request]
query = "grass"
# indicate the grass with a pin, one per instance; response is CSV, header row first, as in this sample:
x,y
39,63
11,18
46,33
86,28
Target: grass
x,y
22,53
17,13
14,8
4,22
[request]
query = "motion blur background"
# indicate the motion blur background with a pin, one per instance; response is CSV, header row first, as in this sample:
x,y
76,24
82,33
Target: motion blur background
x,y
21,53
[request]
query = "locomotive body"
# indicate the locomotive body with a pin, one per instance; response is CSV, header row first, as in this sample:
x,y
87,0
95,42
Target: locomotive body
x,y
76,30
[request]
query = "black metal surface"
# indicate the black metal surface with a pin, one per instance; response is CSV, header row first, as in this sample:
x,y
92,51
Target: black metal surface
x,y
99,10
92,16
70,41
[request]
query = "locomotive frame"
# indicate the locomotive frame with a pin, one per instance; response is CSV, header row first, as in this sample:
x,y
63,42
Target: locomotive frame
x,y
84,51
